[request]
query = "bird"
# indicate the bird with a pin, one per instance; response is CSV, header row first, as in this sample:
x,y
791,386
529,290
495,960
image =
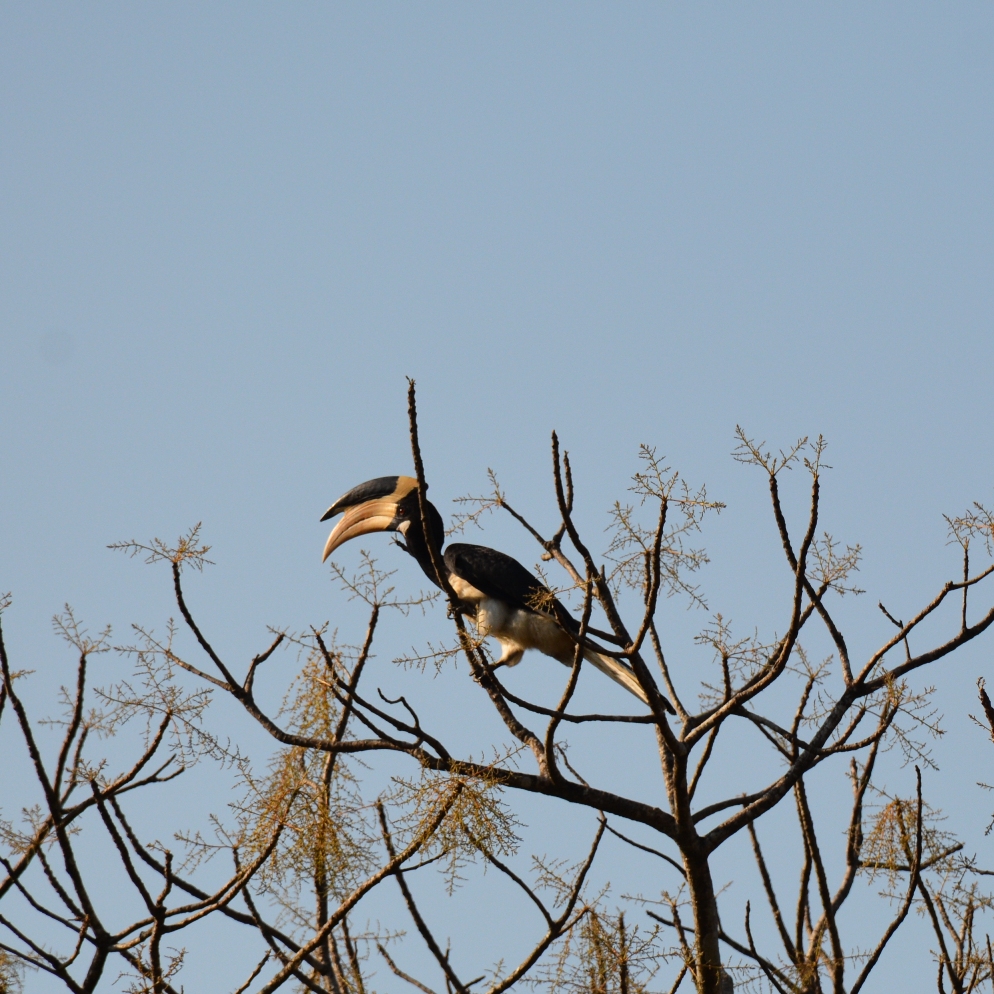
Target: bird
x,y
500,595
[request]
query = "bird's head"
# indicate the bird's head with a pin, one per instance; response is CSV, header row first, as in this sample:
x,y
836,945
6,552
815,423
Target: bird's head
x,y
386,504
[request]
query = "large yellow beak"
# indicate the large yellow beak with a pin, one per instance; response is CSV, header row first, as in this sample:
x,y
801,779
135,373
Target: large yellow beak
x,y
373,516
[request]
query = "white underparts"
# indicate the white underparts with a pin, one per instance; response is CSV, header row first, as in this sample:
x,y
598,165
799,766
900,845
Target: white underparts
x,y
518,630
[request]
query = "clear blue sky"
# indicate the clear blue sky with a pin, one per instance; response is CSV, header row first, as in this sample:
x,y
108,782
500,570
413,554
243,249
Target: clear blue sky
x,y
228,233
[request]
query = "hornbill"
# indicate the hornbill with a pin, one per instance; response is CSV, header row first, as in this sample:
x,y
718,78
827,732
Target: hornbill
x,y
494,590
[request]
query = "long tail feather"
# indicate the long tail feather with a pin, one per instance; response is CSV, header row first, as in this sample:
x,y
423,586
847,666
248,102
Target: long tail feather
x,y
617,672
620,674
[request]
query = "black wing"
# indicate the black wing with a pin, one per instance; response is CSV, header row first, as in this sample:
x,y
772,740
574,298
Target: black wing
x,y
498,576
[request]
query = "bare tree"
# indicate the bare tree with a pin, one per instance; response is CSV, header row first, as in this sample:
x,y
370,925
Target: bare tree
x,y
55,883
307,842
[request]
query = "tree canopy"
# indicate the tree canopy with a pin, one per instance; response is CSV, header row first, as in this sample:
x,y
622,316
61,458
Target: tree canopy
x,y
364,790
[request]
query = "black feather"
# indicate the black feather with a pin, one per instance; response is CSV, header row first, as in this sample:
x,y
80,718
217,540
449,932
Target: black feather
x,y
498,576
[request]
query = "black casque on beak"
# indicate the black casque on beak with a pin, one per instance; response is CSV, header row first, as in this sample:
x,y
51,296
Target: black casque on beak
x,y
378,505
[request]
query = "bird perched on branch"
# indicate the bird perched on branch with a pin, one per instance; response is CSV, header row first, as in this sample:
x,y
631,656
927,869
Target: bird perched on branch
x,y
503,598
